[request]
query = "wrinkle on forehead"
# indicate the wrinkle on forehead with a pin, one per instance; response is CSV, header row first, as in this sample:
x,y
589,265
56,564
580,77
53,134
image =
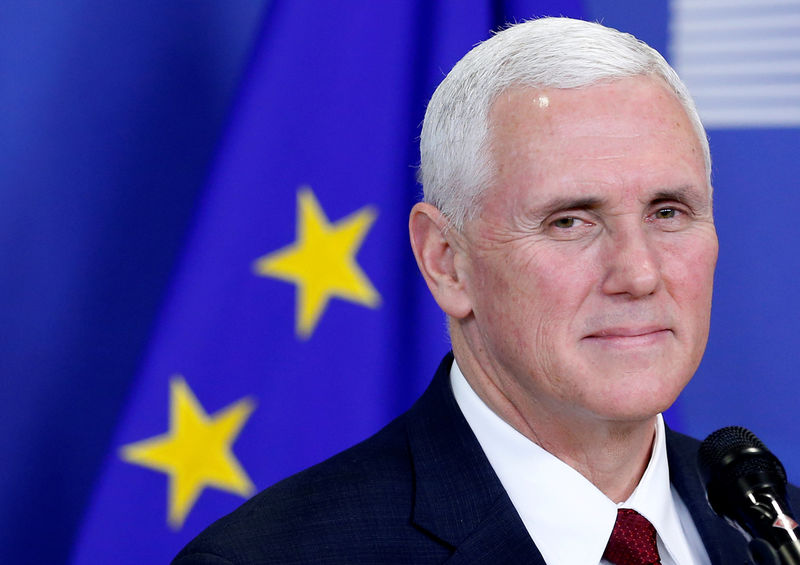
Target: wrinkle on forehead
x,y
519,121
549,103
620,141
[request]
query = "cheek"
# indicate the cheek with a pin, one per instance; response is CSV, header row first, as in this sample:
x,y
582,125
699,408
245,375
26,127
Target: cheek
x,y
689,277
546,297
692,265
537,279
532,293
566,281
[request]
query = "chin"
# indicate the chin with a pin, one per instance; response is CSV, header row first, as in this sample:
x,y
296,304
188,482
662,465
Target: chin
x,y
639,413
640,397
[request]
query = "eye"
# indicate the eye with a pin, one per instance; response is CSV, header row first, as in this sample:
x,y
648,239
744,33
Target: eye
x,y
669,218
666,213
566,222
569,227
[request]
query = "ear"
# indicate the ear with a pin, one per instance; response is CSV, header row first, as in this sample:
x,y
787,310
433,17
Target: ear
x,y
439,257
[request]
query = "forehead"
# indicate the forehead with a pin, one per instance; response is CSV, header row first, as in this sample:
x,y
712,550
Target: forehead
x,y
630,132
640,105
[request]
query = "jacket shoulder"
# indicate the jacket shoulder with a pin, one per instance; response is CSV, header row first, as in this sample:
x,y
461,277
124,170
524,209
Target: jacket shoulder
x,y
354,507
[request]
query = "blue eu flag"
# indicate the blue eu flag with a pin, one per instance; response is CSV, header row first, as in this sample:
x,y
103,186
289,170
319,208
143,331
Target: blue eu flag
x,y
297,323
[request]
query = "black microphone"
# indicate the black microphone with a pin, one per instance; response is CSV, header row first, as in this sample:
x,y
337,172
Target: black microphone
x,y
746,483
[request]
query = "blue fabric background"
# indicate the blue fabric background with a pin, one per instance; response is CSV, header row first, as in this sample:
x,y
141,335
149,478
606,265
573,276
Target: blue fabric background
x,y
149,152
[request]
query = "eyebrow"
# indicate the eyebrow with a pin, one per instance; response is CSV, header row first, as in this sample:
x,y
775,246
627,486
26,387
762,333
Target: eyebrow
x,y
686,195
566,203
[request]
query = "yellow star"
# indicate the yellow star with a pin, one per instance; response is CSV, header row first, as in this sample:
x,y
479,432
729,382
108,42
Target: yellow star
x,y
322,261
196,452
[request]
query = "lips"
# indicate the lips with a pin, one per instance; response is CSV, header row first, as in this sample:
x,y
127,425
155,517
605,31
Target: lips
x,y
623,332
629,337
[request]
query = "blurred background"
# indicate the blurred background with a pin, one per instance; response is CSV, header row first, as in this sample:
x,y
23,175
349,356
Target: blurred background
x,y
178,181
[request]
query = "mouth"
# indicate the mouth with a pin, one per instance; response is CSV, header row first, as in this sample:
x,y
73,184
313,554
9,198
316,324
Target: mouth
x,y
629,336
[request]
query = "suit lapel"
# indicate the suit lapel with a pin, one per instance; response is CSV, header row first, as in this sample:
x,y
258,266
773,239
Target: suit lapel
x,y
724,544
500,538
460,502
458,498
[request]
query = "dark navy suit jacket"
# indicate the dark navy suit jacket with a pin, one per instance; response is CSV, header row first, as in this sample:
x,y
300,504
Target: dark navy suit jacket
x,y
419,491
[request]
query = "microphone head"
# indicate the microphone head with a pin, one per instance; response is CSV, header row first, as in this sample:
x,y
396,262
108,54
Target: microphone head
x,y
733,462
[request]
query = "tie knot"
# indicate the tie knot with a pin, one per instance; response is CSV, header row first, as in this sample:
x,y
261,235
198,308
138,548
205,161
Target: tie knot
x,y
633,540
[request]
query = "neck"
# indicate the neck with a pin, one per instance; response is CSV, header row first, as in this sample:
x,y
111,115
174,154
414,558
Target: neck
x,y
611,454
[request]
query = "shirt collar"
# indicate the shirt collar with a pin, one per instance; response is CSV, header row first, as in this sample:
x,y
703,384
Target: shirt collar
x,y
655,499
554,501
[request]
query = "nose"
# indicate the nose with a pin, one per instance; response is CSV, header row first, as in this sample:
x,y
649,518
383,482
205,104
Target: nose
x,y
631,265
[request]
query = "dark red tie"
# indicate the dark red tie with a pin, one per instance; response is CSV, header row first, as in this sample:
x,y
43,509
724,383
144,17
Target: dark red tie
x,y
633,541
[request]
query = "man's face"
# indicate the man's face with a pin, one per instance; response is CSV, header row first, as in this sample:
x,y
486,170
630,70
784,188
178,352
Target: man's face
x,y
589,265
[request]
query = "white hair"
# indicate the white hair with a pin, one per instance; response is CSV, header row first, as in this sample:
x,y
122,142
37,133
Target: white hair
x,y
455,163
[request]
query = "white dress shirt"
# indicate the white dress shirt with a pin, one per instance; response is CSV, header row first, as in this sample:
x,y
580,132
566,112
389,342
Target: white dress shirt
x,y
569,519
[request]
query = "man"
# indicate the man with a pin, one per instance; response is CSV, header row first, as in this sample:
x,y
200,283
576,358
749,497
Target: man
x,y
567,233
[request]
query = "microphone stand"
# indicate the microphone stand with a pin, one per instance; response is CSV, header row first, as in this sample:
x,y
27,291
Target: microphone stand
x,y
776,534
762,553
